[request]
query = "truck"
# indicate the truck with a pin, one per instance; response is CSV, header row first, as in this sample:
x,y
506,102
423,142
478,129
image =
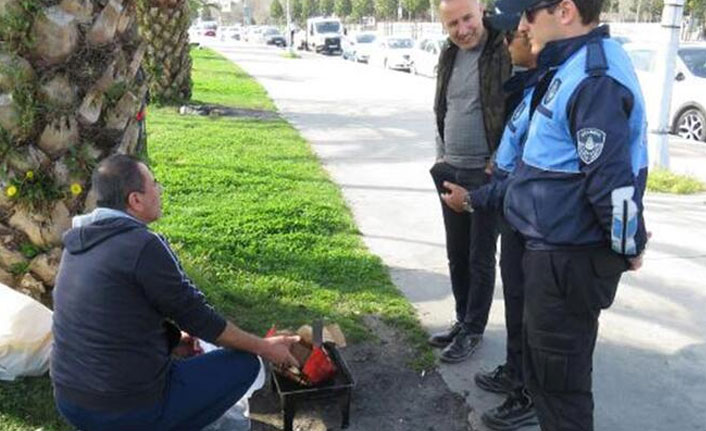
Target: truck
x,y
324,35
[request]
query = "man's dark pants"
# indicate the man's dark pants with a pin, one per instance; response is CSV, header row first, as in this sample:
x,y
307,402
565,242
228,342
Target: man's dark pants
x,y
470,247
564,294
511,250
198,391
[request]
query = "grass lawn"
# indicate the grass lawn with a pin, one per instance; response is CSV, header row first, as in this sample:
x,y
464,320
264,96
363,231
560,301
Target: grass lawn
x,y
663,181
258,225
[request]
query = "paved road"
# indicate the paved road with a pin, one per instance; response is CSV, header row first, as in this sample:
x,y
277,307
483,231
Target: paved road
x,y
373,131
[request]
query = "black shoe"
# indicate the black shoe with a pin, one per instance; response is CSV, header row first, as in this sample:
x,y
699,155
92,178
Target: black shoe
x,y
501,380
462,347
516,412
442,339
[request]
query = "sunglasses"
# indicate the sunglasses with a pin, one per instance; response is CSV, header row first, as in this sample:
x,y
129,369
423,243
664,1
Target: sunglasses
x,y
531,13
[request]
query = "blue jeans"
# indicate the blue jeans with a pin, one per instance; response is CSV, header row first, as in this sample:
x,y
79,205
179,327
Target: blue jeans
x,y
199,390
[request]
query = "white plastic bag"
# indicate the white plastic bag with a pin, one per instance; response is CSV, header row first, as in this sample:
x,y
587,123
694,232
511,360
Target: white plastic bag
x,y
25,335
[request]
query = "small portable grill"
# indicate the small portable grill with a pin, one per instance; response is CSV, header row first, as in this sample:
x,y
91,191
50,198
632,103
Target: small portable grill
x,y
339,389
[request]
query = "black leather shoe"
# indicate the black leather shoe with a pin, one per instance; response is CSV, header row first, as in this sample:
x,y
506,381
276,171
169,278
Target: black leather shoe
x,y
501,380
462,347
516,412
442,339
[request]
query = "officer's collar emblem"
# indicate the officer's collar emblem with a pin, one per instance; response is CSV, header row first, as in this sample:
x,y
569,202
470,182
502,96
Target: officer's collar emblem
x,y
590,142
551,91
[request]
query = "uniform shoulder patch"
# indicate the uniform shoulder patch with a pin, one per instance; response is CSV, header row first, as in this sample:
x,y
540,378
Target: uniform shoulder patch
x,y
590,142
551,91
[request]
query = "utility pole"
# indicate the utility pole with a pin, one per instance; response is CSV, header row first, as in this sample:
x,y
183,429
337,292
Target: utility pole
x,y
660,126
290,31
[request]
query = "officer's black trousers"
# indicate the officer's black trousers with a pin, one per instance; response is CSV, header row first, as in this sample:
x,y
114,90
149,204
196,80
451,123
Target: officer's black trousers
x,y
511,251
470,246
564,293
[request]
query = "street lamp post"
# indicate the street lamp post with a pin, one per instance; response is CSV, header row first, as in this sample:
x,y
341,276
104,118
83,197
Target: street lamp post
x,y
290,32
660,127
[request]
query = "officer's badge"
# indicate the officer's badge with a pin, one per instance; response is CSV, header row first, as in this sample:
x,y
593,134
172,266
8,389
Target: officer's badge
x,y
551,91
518,111
590,144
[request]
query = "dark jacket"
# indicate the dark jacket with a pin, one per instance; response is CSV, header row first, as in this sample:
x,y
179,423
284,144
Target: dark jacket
x,y
117,285
494,69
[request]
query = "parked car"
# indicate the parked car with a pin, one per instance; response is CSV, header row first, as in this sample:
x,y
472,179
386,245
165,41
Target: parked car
x,y
358,47
425,55
207,28
392,52
688,108
272,36
253,33
228,33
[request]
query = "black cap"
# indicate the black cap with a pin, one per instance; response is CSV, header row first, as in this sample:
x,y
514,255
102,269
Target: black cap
x,y
501,19
518,6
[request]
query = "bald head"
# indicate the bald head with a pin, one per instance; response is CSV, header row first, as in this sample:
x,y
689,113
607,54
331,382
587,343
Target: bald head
x,y
463,20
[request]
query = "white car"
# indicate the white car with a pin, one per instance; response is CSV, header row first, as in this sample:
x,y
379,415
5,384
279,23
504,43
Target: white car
x,y
425,55
358,47
392,52
228,33
688,109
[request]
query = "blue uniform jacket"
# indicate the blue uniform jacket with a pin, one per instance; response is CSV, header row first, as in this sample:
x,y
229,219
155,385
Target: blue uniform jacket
x,y
583,171
519,88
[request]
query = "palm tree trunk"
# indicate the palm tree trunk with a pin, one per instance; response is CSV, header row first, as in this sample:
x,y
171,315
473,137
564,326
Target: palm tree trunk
x,y
70,95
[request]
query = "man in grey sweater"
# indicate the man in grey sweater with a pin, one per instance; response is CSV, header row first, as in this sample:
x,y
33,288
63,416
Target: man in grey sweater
x,y
470,112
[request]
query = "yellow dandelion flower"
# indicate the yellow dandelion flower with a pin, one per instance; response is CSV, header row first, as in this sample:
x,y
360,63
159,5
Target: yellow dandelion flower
x,y
76,189
11,191
29,175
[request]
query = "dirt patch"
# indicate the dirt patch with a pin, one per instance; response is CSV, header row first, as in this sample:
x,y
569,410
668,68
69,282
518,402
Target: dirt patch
x,y
388,394
225,111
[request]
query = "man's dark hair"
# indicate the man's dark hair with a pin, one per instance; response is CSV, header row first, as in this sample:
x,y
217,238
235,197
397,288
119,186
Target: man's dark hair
x,y
590,10
115,178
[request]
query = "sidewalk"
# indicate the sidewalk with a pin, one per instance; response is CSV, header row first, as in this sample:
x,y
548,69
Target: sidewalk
x,y
373,131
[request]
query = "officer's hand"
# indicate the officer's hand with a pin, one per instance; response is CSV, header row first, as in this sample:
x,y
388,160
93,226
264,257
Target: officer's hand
x,y
635,262
276,350
455,197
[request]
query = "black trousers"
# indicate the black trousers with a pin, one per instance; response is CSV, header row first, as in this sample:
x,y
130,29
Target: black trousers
x,y
564,294
470,247
511,250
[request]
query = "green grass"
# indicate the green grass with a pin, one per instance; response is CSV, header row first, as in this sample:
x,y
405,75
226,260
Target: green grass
x,y
258,225
661,180
217,81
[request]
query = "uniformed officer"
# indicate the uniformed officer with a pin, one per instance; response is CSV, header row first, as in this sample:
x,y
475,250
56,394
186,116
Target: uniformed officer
x,y
576,197
517,410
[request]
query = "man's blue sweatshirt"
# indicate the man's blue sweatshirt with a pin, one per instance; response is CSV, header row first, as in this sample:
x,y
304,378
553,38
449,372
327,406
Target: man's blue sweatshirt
x,y
118,290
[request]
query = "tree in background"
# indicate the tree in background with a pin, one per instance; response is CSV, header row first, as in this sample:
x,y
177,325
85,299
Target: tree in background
x,y
71,93
326,7
342,8
385,9
415,8
309,8
361,8
295,10
276,10
164,25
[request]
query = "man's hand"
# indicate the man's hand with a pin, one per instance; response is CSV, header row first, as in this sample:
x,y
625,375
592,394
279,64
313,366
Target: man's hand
x,y
636,262
456,196
188,346
276,350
